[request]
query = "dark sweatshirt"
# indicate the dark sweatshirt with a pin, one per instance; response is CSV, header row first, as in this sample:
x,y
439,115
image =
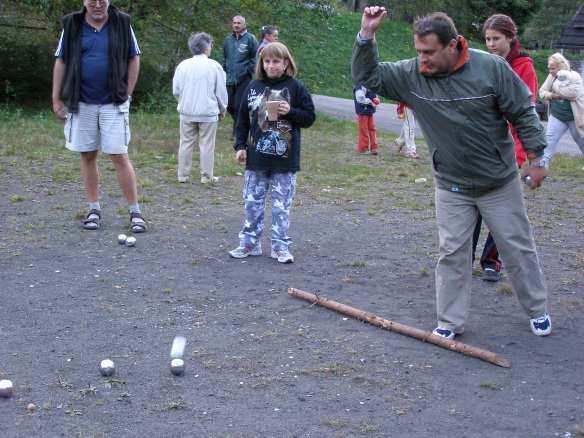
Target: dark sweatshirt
x,y
273,145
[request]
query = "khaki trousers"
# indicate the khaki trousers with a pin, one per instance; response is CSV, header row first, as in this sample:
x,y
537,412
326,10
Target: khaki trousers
x,y
190,133
504,213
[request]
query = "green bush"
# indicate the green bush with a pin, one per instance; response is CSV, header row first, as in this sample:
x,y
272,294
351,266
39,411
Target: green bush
x,y
26,72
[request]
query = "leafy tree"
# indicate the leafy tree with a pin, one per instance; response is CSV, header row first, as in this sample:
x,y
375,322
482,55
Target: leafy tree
x,y
548,23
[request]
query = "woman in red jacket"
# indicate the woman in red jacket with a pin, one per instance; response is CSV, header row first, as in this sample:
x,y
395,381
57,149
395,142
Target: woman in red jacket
x,y
501,39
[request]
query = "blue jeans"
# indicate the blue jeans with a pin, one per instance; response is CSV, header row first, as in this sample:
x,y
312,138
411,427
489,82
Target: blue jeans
x,y
282,187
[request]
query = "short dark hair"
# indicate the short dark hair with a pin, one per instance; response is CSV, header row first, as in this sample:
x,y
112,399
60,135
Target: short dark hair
x,y
438,23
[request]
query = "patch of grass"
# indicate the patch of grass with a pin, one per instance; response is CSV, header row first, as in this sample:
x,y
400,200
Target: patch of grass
x,y
175,405
90,390
352,264
505,289
490,385
111,382
72,411
332,172
17,198
334,370
80,214
368,428
63,175
62,383
334,423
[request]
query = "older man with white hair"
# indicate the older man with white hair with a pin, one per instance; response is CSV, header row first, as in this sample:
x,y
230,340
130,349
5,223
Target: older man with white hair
x,y
96,69
199,87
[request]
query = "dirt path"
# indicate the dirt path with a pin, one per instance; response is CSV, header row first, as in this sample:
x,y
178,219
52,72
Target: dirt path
x,y
386,119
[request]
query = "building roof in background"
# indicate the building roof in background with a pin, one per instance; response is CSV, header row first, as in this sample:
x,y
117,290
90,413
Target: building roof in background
x,y
572,37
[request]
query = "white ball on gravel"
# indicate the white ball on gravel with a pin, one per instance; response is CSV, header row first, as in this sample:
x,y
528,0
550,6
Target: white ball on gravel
x,y
107,367
122,238
177,367
6,388
131,241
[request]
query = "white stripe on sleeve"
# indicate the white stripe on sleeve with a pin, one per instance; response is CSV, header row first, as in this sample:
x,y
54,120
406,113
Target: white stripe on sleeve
x,y
59,51
135,41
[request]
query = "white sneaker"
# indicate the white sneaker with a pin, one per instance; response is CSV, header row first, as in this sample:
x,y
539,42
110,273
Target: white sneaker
x,y
207,180
443,333
541,326
242,252
283,256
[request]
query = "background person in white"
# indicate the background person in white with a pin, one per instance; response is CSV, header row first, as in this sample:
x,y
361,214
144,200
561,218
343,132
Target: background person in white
x,y
199,87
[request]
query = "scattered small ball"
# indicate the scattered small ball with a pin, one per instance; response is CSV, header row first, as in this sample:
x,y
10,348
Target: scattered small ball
x,y
131,241
122,238
6,389
107,367
31,408
177,367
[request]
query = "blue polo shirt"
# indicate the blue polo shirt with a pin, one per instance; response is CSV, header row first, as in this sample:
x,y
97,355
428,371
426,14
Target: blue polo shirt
x,y
95,62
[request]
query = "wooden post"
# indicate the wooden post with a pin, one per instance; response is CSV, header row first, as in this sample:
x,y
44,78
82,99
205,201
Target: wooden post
x,y
403,329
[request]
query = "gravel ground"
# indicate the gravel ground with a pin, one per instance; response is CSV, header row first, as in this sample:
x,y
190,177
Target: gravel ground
x,y
259,362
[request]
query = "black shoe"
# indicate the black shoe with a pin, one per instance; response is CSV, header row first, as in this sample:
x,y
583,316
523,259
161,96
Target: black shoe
x,y
492,275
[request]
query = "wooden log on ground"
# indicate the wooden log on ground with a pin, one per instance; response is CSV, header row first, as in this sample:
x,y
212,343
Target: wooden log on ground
x,y
403,329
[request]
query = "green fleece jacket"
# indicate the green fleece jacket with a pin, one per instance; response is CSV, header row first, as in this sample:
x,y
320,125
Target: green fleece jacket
x,y
464,115
239,57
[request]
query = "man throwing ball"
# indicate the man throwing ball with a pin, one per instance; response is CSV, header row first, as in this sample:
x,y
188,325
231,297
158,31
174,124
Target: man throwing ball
x,y
464,100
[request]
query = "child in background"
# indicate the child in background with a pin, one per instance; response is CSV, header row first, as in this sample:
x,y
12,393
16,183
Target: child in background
x,y
407,136
269,35
365,103
276,106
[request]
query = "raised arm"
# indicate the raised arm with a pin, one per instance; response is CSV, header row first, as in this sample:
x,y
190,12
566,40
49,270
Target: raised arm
x,y
387,79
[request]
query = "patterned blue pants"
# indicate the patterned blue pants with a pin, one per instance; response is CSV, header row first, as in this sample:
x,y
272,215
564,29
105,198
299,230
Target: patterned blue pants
x,y
256,186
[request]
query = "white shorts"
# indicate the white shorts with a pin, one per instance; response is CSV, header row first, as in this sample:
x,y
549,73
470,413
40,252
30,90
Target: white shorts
x,y
99,127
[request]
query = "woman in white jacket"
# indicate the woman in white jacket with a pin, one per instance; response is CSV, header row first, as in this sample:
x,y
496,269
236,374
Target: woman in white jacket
x,y
564,91
199,86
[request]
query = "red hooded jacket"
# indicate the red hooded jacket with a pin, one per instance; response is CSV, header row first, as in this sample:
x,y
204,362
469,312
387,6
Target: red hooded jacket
x,y
522,64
